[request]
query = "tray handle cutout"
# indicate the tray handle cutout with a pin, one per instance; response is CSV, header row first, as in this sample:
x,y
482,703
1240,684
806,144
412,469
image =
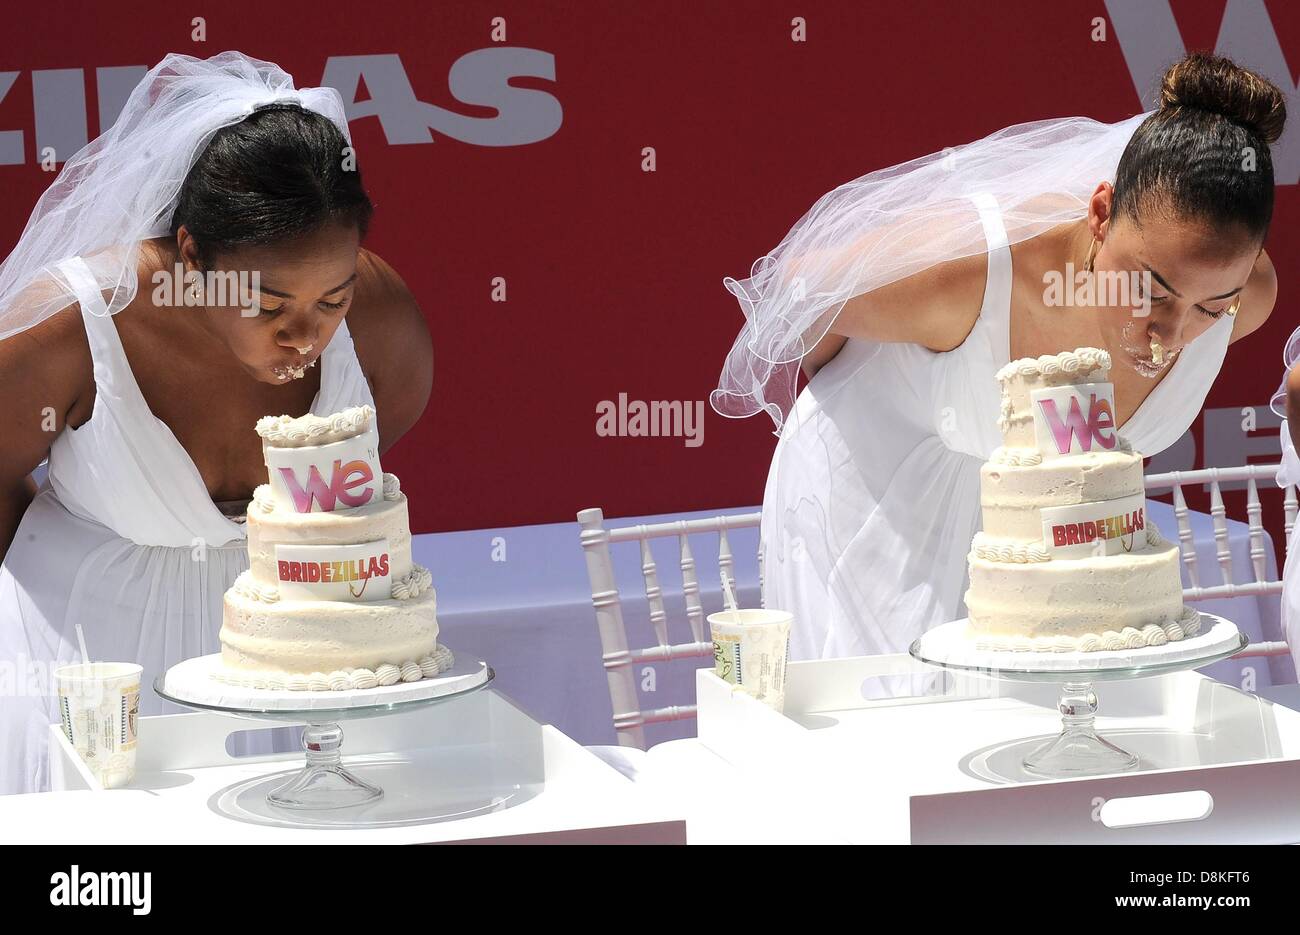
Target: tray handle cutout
x,y
1164,808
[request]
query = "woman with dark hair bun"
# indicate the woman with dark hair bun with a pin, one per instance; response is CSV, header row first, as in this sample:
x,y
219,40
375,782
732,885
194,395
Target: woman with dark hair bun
x,y
902,293
196,268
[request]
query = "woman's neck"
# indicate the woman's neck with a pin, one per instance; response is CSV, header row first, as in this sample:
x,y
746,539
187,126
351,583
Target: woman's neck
x,y
1059,252
161,255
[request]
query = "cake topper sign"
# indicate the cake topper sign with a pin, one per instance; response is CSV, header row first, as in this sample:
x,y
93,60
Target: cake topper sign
x,y
359,572
1103,527
324,478
1074,419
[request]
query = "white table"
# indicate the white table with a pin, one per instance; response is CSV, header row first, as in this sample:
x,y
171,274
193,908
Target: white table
x,y
840,767
719,803
477,749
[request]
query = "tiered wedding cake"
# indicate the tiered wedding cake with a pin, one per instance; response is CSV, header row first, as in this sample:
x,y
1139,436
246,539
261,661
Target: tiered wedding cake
x,y
331,599
1066,561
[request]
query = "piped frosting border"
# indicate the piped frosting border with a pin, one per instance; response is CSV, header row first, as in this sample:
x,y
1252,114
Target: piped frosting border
x,y
1187,625
285,431
1023,552
1082,360
427,667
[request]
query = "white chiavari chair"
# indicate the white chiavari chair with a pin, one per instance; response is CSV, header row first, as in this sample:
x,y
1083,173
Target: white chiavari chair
x,y
1251,474
619,659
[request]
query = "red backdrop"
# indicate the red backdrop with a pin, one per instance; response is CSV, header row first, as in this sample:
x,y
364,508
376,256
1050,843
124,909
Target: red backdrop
x,y
612,273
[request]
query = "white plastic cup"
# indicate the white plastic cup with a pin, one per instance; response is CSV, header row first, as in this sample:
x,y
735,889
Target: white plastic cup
x,y
751,649
99,705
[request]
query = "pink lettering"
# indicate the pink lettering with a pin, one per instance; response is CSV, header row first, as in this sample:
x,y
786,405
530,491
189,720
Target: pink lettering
x,y
343,478
1099,424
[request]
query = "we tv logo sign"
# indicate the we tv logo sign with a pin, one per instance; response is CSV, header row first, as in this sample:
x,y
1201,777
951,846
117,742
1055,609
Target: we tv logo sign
x,y
1074,419
323,478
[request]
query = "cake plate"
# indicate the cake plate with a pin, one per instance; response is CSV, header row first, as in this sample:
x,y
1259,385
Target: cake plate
x,y
323,782
1078,750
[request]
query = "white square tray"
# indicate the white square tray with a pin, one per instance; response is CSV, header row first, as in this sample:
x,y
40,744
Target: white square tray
x,y
187,786
939,768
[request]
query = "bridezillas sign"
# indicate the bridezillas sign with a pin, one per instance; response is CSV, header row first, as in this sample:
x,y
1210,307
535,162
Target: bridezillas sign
x,y
1104,527
357,572
1075,419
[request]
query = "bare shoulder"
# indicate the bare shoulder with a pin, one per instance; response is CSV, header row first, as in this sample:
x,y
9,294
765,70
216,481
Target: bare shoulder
x,y
51,361
952,298
936,308
47,378
1257,299
393,345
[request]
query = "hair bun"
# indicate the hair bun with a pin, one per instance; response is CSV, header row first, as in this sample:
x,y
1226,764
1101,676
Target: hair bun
x,y
1218,85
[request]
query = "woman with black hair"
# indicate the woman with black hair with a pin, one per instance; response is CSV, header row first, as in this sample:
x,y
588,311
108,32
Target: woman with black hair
x,y
901,294
197,267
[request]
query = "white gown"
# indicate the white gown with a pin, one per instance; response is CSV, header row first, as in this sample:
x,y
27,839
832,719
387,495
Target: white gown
x,y
124,539
1289,473
873,497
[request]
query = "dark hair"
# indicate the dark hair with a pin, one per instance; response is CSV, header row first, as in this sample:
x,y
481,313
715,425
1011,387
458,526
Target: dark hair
x,y
1187,158
278,173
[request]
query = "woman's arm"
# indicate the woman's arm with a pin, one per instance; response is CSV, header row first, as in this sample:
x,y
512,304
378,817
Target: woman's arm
x,y
935,308
45,372
393,345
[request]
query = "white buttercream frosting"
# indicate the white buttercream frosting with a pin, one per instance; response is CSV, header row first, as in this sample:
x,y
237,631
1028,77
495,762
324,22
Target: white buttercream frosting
x,y
264,499
412,670
1030,457
1081,361
1026,457
413,585
285,431
1186,626
247,586
1008,550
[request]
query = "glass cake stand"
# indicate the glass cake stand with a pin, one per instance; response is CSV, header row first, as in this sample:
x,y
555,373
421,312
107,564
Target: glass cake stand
x,y
323,782
1079,750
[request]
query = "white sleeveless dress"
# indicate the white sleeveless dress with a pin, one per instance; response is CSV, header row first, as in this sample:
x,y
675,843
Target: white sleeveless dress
x,y
873,496
1289,473
124,539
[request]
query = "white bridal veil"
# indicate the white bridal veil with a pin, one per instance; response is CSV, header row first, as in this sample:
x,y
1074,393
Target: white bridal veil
x,y
121,188
894,222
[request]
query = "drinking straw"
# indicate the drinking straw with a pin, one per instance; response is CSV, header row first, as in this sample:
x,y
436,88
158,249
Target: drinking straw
x,y
81,638
729,597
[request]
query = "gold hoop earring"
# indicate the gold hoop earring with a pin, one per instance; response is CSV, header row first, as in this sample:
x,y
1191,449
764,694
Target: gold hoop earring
x,y
1092,253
